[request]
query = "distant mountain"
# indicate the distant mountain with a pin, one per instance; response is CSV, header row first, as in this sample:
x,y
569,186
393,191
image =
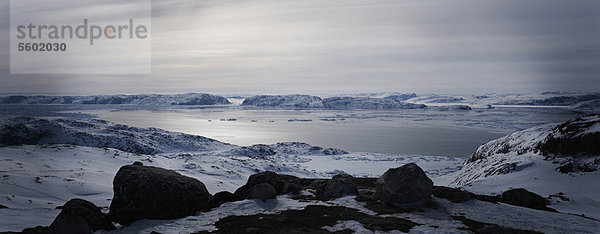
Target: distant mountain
x,y
292,100
100,133
140,99
337,103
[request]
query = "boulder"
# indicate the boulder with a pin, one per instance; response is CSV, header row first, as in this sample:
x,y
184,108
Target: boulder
x,y
80,216
145,192
263,191
340,185
267,177
402,185
221,197
524,198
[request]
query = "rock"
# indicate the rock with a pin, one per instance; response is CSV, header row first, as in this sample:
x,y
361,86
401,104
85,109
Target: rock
x,y
219,198
524,198
3,207
145,192
402,185
565,167
340,185
138,163
263,191
452,194
80,216
268,177
36,230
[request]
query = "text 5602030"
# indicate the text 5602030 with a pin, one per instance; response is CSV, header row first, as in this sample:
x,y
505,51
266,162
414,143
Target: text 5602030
x,y
42,47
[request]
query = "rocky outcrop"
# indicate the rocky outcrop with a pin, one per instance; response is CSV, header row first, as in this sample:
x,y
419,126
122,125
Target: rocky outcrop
x,y
145,192
339,186
524,198
80,216
262,185
402,185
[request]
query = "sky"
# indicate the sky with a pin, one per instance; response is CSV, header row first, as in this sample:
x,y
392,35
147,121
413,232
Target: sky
x,y
347,46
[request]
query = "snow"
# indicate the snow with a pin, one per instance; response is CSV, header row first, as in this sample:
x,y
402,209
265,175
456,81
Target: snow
x,y
140,99
515,161
336,103
68,171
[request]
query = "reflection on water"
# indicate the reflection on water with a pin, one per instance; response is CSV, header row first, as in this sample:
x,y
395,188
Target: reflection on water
x,y
408,132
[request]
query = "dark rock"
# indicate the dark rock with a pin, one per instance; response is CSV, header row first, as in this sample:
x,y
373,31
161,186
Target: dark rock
x,y
80,216
268,177
311,219
524,198
565,167
340,185
402,185
3,207
481,227
571,138
138,163
263,191
219,198
36,230
145,192
452,194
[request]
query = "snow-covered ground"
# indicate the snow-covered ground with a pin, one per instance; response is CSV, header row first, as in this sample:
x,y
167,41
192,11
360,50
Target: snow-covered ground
x,y
37,178
47,161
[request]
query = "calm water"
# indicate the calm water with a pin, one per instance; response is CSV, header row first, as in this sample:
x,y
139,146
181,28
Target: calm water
x,y
410,132
362,132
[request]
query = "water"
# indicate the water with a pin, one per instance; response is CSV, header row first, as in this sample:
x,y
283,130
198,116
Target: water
x,y
380,132
408,132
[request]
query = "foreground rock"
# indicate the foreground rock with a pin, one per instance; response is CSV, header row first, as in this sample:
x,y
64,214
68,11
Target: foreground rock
x,y
144,192
402,185
265,185
80,216
311,219
339,186
524,198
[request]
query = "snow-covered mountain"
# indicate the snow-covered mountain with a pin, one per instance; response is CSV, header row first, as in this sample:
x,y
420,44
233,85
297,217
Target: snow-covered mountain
x,y
335,103
141,99
572,146
292,101
541,99
560,161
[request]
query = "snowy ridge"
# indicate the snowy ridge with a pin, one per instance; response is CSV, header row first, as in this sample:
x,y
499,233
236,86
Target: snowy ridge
x,y
292,100
336,103
100,133
542,99
571,144
141,99
294,148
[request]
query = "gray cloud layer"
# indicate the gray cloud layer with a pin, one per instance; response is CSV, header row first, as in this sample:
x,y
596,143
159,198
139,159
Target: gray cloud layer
x,y
314,46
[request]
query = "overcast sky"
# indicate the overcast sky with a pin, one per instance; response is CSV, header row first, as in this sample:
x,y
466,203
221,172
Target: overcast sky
x,y
345,46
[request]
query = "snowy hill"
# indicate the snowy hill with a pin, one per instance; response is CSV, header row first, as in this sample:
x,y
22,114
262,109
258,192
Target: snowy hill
x,y
141,99
100,133
541,99
560,161
335,103
292,100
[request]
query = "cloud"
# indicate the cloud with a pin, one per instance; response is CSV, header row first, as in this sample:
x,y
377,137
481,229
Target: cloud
x,y
356,45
